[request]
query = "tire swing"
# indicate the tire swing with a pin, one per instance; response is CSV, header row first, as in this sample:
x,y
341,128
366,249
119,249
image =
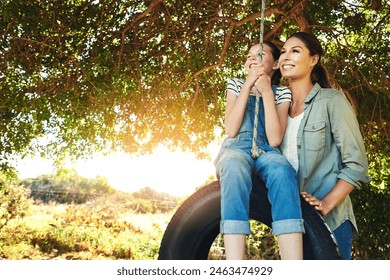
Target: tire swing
x,y
195,225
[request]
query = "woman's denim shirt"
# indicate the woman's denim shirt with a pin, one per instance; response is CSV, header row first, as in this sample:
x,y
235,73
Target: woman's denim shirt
x,y
330,147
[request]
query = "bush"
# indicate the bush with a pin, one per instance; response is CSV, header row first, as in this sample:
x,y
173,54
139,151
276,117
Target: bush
x,y
371,202
371,206
13,201
82,232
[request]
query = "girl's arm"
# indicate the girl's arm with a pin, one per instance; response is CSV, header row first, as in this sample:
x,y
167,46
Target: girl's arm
x,y
275,119
236,105
235,109
275,115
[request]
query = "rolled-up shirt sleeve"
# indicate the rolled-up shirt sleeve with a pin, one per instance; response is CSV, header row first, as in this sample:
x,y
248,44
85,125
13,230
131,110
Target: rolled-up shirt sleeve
x,y
349,140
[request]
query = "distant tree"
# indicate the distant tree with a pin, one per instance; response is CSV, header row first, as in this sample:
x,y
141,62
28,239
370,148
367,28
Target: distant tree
x,y
149,200
67,187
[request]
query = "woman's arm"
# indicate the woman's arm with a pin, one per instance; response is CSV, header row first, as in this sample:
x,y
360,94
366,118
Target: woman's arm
x,y
348,138
332,199
346,135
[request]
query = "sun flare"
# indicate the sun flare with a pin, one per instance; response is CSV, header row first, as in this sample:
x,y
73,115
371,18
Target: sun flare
x,y
177,173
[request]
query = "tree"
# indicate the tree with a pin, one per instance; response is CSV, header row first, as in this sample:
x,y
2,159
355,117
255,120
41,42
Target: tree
x,y
67,187
130,75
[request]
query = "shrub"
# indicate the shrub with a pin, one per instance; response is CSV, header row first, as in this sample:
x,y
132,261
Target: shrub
x,y
371,206
13,201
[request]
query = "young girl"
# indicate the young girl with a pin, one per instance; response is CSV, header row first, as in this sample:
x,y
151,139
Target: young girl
x,y
235,165
323,141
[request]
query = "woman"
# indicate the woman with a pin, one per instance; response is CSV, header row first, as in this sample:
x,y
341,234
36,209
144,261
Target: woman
x,y
235,165
322,139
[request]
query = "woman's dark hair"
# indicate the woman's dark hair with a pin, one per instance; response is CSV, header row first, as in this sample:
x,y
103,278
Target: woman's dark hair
x,y
319,73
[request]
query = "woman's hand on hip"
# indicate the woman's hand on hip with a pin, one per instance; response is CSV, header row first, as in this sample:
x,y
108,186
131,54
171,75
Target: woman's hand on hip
x,y
319,205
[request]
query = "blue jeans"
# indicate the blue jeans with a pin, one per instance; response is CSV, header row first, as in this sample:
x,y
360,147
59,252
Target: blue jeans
x,y
235,167
343,235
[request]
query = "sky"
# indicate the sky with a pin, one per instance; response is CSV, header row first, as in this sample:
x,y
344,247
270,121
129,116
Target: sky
x,y
177,173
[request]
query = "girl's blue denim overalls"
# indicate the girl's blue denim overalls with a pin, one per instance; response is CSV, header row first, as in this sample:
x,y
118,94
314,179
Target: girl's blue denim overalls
x,y
235,167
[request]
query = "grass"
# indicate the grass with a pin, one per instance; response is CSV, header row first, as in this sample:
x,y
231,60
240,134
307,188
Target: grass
x,y
83,232
108,228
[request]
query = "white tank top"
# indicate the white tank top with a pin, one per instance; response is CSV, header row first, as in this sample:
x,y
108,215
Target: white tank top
x,y
289,143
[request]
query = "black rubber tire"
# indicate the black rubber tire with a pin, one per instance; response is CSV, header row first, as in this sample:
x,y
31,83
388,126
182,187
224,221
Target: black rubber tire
x,y
195,225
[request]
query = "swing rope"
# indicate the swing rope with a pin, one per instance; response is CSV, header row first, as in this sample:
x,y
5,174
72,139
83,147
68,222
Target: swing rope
x,y
256,151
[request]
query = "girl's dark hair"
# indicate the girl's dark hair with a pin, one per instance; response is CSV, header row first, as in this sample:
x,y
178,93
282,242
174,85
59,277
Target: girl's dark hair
x,y
275,79
319,73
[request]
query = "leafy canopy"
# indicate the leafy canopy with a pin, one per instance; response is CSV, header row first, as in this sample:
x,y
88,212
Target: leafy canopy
x,y
130,75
